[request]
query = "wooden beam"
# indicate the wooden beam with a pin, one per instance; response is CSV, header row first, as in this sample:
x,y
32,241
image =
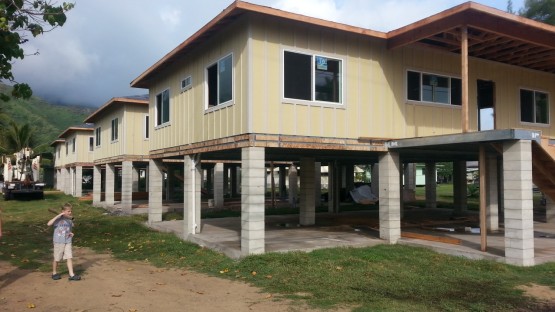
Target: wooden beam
x,y
483,192
433,238
464,74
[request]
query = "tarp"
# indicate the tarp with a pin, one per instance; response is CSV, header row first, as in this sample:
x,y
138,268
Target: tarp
x,y
363,195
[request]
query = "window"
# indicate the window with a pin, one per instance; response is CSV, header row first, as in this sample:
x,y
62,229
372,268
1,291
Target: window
x,y
424,87
58,151
219,78
186,83
312,77
67,148
163,107
146,127
91,144
534,107
97,132
114,136
73,145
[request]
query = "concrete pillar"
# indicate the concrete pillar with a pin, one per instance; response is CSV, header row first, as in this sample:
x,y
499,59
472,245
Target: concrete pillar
x,y
252,200
431,185
127,185
282,182
64,180
226,180
293,187
390,197
155,190
460,198
492,208
375,179
169,182
78,181
349,177
518,203
317,184
549,210
219,185
409,181
135,179
210,179
97,185
192,183
307,212
235,181
334,186
110,185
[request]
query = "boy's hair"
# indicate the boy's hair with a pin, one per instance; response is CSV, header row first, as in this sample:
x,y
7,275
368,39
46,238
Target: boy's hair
x,y
67,206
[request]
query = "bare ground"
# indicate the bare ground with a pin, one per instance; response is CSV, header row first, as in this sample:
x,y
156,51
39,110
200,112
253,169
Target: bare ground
x,y
112,285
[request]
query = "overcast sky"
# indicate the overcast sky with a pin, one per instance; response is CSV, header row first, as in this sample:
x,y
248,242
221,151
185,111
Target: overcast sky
x,y
105,44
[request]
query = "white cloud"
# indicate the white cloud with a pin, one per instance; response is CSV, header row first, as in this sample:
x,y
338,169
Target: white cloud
x,y
170,17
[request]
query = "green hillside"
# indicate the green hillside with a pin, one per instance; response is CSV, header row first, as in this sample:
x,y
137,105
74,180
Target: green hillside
x,y
49,120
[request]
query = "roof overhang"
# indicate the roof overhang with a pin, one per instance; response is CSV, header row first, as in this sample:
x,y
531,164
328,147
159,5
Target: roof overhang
x,y
56,142
493,35
70,130
233,12
116,102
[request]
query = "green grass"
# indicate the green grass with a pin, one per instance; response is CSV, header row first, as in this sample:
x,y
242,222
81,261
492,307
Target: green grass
x,y
382,278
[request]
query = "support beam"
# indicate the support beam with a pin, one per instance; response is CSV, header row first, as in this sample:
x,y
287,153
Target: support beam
x,y
219,185
492,198
78,181
252,200
126,186
464,78
483,194
431,185
390,197
307,213
110,182
192,182
97,185
155,186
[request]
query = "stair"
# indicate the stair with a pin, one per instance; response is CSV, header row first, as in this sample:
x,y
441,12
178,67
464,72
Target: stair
x,y
543,167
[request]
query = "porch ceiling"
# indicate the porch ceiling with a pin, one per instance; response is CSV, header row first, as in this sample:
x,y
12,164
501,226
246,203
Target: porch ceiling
x,y
492,35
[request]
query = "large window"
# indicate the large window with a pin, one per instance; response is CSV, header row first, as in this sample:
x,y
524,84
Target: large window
x,y
91,144
424,87
73,143
534,107
97,132
114,136
163,107
219,78
312,77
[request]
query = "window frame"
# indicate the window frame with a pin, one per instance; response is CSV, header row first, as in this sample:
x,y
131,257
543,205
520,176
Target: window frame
x,y
188,85
207,83
146,125
91,143
159,111
73,145
98,136
114,130
534,104
313,78
450,88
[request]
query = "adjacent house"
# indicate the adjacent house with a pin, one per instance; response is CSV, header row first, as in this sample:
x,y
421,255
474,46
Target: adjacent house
x,y
258,84
120,148
73,160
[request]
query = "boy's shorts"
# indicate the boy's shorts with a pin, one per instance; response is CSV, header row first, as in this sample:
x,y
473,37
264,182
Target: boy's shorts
x,y
62,251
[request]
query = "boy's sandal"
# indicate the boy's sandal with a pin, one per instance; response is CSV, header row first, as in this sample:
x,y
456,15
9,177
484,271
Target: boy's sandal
x,y
74,278
56,277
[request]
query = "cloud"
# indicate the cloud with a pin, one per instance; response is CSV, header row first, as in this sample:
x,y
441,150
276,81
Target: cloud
x,y
171,17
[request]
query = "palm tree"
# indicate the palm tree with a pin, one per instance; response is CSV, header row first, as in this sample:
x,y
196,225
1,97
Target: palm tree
x,y
16,138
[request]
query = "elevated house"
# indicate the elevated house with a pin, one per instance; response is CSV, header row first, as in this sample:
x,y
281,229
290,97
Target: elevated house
x,y
257,84
120,151
73,160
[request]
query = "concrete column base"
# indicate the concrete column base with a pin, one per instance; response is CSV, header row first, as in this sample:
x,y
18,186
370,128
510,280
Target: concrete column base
x,y
127,185
307,213
252,200
155,190
97,185
110,185
390,197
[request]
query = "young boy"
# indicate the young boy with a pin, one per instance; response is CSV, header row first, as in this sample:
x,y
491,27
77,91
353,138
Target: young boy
x,y
63,224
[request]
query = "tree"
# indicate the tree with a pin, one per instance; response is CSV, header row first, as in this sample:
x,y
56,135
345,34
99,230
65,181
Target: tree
x,y
17,138
18,20
510,7
539,10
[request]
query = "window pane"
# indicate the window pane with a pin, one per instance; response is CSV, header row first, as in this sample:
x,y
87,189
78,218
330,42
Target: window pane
x,y
159,109
526,106
297,76
166,106
328,79
542,108
225,76
413,86
212,73
146,127
456,91
435,89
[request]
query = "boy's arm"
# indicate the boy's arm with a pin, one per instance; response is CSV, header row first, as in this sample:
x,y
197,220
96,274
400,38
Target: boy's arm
x,y
54,219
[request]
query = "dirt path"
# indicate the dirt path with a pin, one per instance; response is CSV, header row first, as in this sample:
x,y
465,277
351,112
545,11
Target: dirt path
x,y
113,285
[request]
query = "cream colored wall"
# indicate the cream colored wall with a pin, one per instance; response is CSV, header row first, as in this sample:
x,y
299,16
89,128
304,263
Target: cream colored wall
x,y
61,159
82,153
374,82
107,147
132,130
189,121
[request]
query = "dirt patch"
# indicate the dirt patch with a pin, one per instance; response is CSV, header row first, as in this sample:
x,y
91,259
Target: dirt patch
x,y
112,285
545,296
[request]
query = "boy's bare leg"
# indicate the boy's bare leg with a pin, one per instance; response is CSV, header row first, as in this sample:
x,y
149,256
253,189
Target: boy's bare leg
x,y
54,267
70,267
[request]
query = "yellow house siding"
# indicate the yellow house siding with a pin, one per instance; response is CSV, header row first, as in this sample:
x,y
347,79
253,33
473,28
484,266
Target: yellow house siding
x,y
132,130
189,121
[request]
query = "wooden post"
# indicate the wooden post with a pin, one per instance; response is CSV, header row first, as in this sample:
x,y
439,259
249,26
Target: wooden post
x,y
464,78
483,192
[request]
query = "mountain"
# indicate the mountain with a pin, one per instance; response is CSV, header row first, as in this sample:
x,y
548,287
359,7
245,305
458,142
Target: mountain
x,y
48,119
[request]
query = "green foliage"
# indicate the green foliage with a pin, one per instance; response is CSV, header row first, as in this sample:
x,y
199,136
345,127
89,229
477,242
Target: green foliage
x,y
18,19
539,10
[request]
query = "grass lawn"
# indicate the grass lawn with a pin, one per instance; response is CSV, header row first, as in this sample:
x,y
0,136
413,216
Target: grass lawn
x,y
382,278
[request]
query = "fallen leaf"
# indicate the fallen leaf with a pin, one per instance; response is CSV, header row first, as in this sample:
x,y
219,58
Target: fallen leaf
x,y
30,306
130,269
268,276
133,310
117,296
253,273
160,284
339,268
269,296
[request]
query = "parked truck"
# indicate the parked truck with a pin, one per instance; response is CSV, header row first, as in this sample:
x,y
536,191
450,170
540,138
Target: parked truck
x,y
22,178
